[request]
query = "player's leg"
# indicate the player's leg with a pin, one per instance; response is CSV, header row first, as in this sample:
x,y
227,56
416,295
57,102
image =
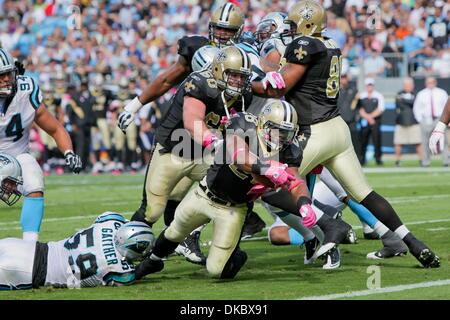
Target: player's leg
x,y
281,234
165,171
16,264
119,145
131,146
190,246
392,244
33,191
102,125
225,258
347,170
188,216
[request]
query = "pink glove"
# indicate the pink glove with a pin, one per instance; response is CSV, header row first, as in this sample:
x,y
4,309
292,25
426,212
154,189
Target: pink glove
x,y
257,190
308,215
275,80
278,175
209,141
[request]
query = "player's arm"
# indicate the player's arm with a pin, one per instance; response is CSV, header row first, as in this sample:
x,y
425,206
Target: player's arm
x,y
291,74
162,83
271,62
116,279
436,142
445,116
47,122
278,173
165,80
194,111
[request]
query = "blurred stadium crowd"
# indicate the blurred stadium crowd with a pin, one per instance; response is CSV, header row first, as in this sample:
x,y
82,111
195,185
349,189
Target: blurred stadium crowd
x,y
91,57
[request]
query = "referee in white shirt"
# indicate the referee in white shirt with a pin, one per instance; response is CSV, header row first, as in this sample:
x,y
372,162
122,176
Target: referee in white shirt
x,y
429,104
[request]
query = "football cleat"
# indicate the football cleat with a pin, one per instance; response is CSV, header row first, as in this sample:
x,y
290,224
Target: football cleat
x,y
148,266
311,246
253,224
393,246
424,255
332,259
351,237
190,249
371,235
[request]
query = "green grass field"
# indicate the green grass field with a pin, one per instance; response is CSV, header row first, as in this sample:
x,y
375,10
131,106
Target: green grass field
x,y
420,198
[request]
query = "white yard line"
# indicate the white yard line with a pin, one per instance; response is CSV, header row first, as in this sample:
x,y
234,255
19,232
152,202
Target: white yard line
x,y
407,170
363,293
60,219
437,229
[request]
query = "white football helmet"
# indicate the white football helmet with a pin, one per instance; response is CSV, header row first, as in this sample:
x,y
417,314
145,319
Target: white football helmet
x,y
203,57
271,26
10,179
134,239
7,67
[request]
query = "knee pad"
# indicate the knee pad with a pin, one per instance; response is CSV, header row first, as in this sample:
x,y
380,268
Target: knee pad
x,y
234,264
33,177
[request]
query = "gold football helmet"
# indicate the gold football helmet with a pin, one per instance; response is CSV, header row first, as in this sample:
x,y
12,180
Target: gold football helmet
x,y
277,126
231,68
306,18
226,25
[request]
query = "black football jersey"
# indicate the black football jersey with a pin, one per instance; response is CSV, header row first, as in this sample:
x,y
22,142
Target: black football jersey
x,y
202,86
188,45
315,95
229,183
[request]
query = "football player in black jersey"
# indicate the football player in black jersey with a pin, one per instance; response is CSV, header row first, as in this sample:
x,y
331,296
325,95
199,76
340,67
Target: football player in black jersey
x,y
225,28
186,131
309,80
257,155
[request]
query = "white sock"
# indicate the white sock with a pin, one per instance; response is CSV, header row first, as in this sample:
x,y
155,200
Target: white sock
x,y
30,236
380,228
366,228
402,231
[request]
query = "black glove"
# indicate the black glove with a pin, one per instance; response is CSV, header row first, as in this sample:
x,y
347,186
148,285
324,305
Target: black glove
x,y
20,67
73,161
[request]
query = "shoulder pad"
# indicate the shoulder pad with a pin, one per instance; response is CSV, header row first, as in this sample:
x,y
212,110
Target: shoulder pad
x,y
28,86
201,85
304,50
189,44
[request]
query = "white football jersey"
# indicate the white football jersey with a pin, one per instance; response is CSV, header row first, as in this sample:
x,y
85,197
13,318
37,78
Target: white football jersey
x,y
18,116
89,258
257,75
272,44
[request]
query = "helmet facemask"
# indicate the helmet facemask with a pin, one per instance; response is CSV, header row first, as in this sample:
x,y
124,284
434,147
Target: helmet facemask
x,y
226,25
8,82
264,31
221,36
275,136
9,190
236,82
289,35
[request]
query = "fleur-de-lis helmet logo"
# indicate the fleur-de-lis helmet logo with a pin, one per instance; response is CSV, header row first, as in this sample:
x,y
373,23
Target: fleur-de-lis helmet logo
x,y
307,13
